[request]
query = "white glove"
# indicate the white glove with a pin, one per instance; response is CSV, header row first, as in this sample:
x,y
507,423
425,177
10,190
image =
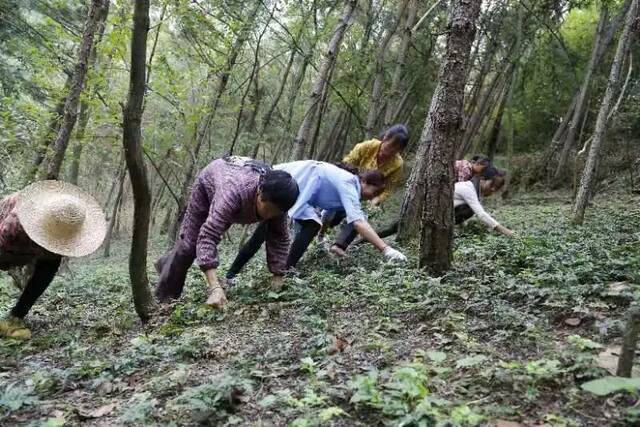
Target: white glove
x,y
394,255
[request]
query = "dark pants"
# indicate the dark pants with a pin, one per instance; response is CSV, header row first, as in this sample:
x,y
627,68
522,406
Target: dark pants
x,y
43,274
462,213
347,233
305,233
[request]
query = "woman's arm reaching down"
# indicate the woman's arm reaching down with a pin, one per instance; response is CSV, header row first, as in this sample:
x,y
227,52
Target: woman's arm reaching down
x,y
368,233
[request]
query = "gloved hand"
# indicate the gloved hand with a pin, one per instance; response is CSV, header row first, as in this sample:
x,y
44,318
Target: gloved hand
x,y
394,255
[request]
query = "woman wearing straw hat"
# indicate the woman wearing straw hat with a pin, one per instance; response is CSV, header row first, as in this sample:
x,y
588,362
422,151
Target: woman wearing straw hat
x,y
41,224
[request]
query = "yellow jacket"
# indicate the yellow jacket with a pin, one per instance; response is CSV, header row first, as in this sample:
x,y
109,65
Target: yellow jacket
x,y
364,157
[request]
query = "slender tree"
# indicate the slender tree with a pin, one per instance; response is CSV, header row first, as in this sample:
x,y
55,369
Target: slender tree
x,y
77,83
401,63
578,111
202,127
442,131
378,82
132,142
586,182
321,81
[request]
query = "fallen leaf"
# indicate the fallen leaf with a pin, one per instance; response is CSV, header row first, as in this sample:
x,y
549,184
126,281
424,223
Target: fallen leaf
x,y
608,385
339,345
617,288
504,423
573,321
98,412
608,359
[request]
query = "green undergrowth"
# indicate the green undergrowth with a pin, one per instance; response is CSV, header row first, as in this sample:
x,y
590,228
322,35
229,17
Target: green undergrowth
x,y
510,334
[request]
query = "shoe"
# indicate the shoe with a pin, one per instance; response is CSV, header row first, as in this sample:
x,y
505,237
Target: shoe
x,y
229,282
13,327
338,251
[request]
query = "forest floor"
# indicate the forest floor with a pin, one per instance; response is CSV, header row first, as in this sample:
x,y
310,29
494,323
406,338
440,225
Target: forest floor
x,y
506,339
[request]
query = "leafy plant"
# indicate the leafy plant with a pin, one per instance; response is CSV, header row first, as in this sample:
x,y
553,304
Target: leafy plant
x,y
14,397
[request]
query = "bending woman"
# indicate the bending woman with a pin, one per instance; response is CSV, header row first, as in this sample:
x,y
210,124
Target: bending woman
x,y
467,195
322,186
39,226
382,155
231,190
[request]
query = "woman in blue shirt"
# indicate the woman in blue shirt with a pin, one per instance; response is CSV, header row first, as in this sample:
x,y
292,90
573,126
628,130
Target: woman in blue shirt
x,y
323,186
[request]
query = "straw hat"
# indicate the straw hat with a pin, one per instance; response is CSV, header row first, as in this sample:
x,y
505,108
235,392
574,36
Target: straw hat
x,y
61,218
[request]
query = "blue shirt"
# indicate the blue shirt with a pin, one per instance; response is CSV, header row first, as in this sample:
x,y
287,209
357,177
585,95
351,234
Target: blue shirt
x,y
324,186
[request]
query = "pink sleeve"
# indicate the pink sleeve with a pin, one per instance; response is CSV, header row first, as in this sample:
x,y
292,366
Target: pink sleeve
x,y
224,208
277,242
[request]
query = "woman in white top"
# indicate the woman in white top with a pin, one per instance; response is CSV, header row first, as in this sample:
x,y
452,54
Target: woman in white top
x,y
467,195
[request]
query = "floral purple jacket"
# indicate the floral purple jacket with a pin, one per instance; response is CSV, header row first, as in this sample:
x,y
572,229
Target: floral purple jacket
x,y
16,248
227,191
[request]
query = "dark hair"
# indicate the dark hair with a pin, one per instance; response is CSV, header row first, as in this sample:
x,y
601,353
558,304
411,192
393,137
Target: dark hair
x,y
498,182
348,167
483,160
374,178
399,134
491,172
279,188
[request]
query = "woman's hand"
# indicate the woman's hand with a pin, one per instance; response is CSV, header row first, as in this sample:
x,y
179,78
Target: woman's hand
x,y
394,254
277,282
505,231
376,201
217,298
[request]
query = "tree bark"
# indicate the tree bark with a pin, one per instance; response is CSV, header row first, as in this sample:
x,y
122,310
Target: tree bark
x,y
132,143
74,169
401,63
578,111
202,128
378,81
494,136
321,81
442,131
255,69
586,182
80,72
559,136
629,343
266,120
114,212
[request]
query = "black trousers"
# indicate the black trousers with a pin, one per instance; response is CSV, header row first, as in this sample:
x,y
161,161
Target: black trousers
x,y
43,273
305,233
462,213
347,232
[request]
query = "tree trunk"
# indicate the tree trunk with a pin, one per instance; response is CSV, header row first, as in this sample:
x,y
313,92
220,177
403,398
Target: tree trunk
x,y
74,169
401,63
378,81
478,114
114,213
561,131
76,153
77,83
295,92
132,143
578,111
492,143
255,70
321,81
202,128
266,120
591,164
50,133
442,131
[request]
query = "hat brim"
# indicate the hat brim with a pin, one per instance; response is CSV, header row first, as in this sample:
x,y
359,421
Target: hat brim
x,y
31,212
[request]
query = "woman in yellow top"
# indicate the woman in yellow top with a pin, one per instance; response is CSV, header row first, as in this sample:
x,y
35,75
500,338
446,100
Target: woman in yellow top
x,y
382,155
